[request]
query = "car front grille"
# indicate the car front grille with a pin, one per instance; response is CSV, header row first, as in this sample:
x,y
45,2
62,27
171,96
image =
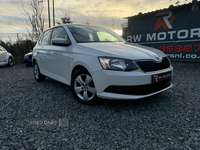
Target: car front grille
x,y
148,66
139,90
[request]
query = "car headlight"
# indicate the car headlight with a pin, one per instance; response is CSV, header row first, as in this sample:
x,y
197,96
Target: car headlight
x,y
26,57
118,64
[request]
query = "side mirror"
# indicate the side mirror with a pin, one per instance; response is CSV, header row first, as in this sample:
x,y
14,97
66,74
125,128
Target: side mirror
x,y
60,42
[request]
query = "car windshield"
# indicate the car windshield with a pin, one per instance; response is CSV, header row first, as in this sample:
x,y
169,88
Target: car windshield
x,y
85,33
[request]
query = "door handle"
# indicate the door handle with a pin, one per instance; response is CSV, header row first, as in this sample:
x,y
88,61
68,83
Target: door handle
x,y
48,53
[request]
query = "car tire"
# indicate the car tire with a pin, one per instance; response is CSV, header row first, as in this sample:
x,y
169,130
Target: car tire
x,y
36,71
83,87
28,65
10,62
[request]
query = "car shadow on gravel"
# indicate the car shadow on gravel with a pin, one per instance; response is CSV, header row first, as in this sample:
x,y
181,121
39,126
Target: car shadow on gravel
x,y
3,66
65,99
127,103
121,102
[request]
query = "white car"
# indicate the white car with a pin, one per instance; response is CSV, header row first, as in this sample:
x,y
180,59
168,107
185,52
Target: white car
x,y
6,58
96,62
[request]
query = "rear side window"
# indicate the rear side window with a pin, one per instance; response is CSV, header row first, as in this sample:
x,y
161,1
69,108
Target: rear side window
x,y
45,38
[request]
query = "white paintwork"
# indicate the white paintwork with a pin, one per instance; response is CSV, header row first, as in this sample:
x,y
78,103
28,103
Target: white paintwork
x,y
119,50
4,56
58,62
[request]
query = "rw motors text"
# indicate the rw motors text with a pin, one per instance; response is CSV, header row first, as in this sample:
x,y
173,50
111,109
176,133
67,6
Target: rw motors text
x,y
170,35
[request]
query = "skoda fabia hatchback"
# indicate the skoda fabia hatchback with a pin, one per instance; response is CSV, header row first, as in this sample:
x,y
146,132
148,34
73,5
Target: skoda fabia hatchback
x,y
96,62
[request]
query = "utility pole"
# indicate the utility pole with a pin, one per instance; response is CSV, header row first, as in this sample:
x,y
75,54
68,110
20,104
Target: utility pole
x,y
49,14
53,14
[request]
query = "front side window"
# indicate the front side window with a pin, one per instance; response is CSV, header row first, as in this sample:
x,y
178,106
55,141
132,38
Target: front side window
x,y
91,37
84,34
59,32
45,38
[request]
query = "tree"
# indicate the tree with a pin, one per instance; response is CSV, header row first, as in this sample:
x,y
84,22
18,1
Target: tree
x,y
33,10
124,24
18,49
113,23
66,19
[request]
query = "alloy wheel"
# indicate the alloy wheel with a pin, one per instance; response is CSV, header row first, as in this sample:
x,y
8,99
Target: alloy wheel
x,y
10,61
84,87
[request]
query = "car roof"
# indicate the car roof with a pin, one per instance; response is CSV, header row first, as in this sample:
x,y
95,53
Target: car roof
x,y
74,24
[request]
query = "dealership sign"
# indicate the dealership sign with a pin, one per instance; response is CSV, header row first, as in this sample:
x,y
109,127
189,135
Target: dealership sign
x,y
175,32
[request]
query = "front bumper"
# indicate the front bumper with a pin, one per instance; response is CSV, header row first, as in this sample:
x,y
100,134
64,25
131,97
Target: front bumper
x,y
28,61
128,85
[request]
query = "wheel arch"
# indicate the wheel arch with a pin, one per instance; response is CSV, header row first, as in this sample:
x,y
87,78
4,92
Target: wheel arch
x,y
34,60
77,68
8,56
82,70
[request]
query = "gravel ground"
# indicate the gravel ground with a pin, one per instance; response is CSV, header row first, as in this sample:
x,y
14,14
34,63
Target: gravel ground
x,y
169,120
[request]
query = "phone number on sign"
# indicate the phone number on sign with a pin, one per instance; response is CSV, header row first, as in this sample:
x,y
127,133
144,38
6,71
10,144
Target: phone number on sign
x,y
179,48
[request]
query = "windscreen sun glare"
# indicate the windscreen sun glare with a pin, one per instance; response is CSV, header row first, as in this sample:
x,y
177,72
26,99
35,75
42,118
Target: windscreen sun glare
x,y
119,32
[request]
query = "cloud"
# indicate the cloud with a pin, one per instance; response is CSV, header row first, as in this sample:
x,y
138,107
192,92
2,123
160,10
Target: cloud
x,y
98,12
11,24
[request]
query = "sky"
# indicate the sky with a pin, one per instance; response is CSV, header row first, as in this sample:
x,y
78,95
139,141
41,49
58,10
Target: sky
x,y
95,12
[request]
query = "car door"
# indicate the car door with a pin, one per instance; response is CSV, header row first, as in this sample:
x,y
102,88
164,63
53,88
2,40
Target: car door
x,y
59,55
2,55
43,51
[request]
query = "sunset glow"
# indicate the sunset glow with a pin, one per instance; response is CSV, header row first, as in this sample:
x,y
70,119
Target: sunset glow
x,y
119,32
105,13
